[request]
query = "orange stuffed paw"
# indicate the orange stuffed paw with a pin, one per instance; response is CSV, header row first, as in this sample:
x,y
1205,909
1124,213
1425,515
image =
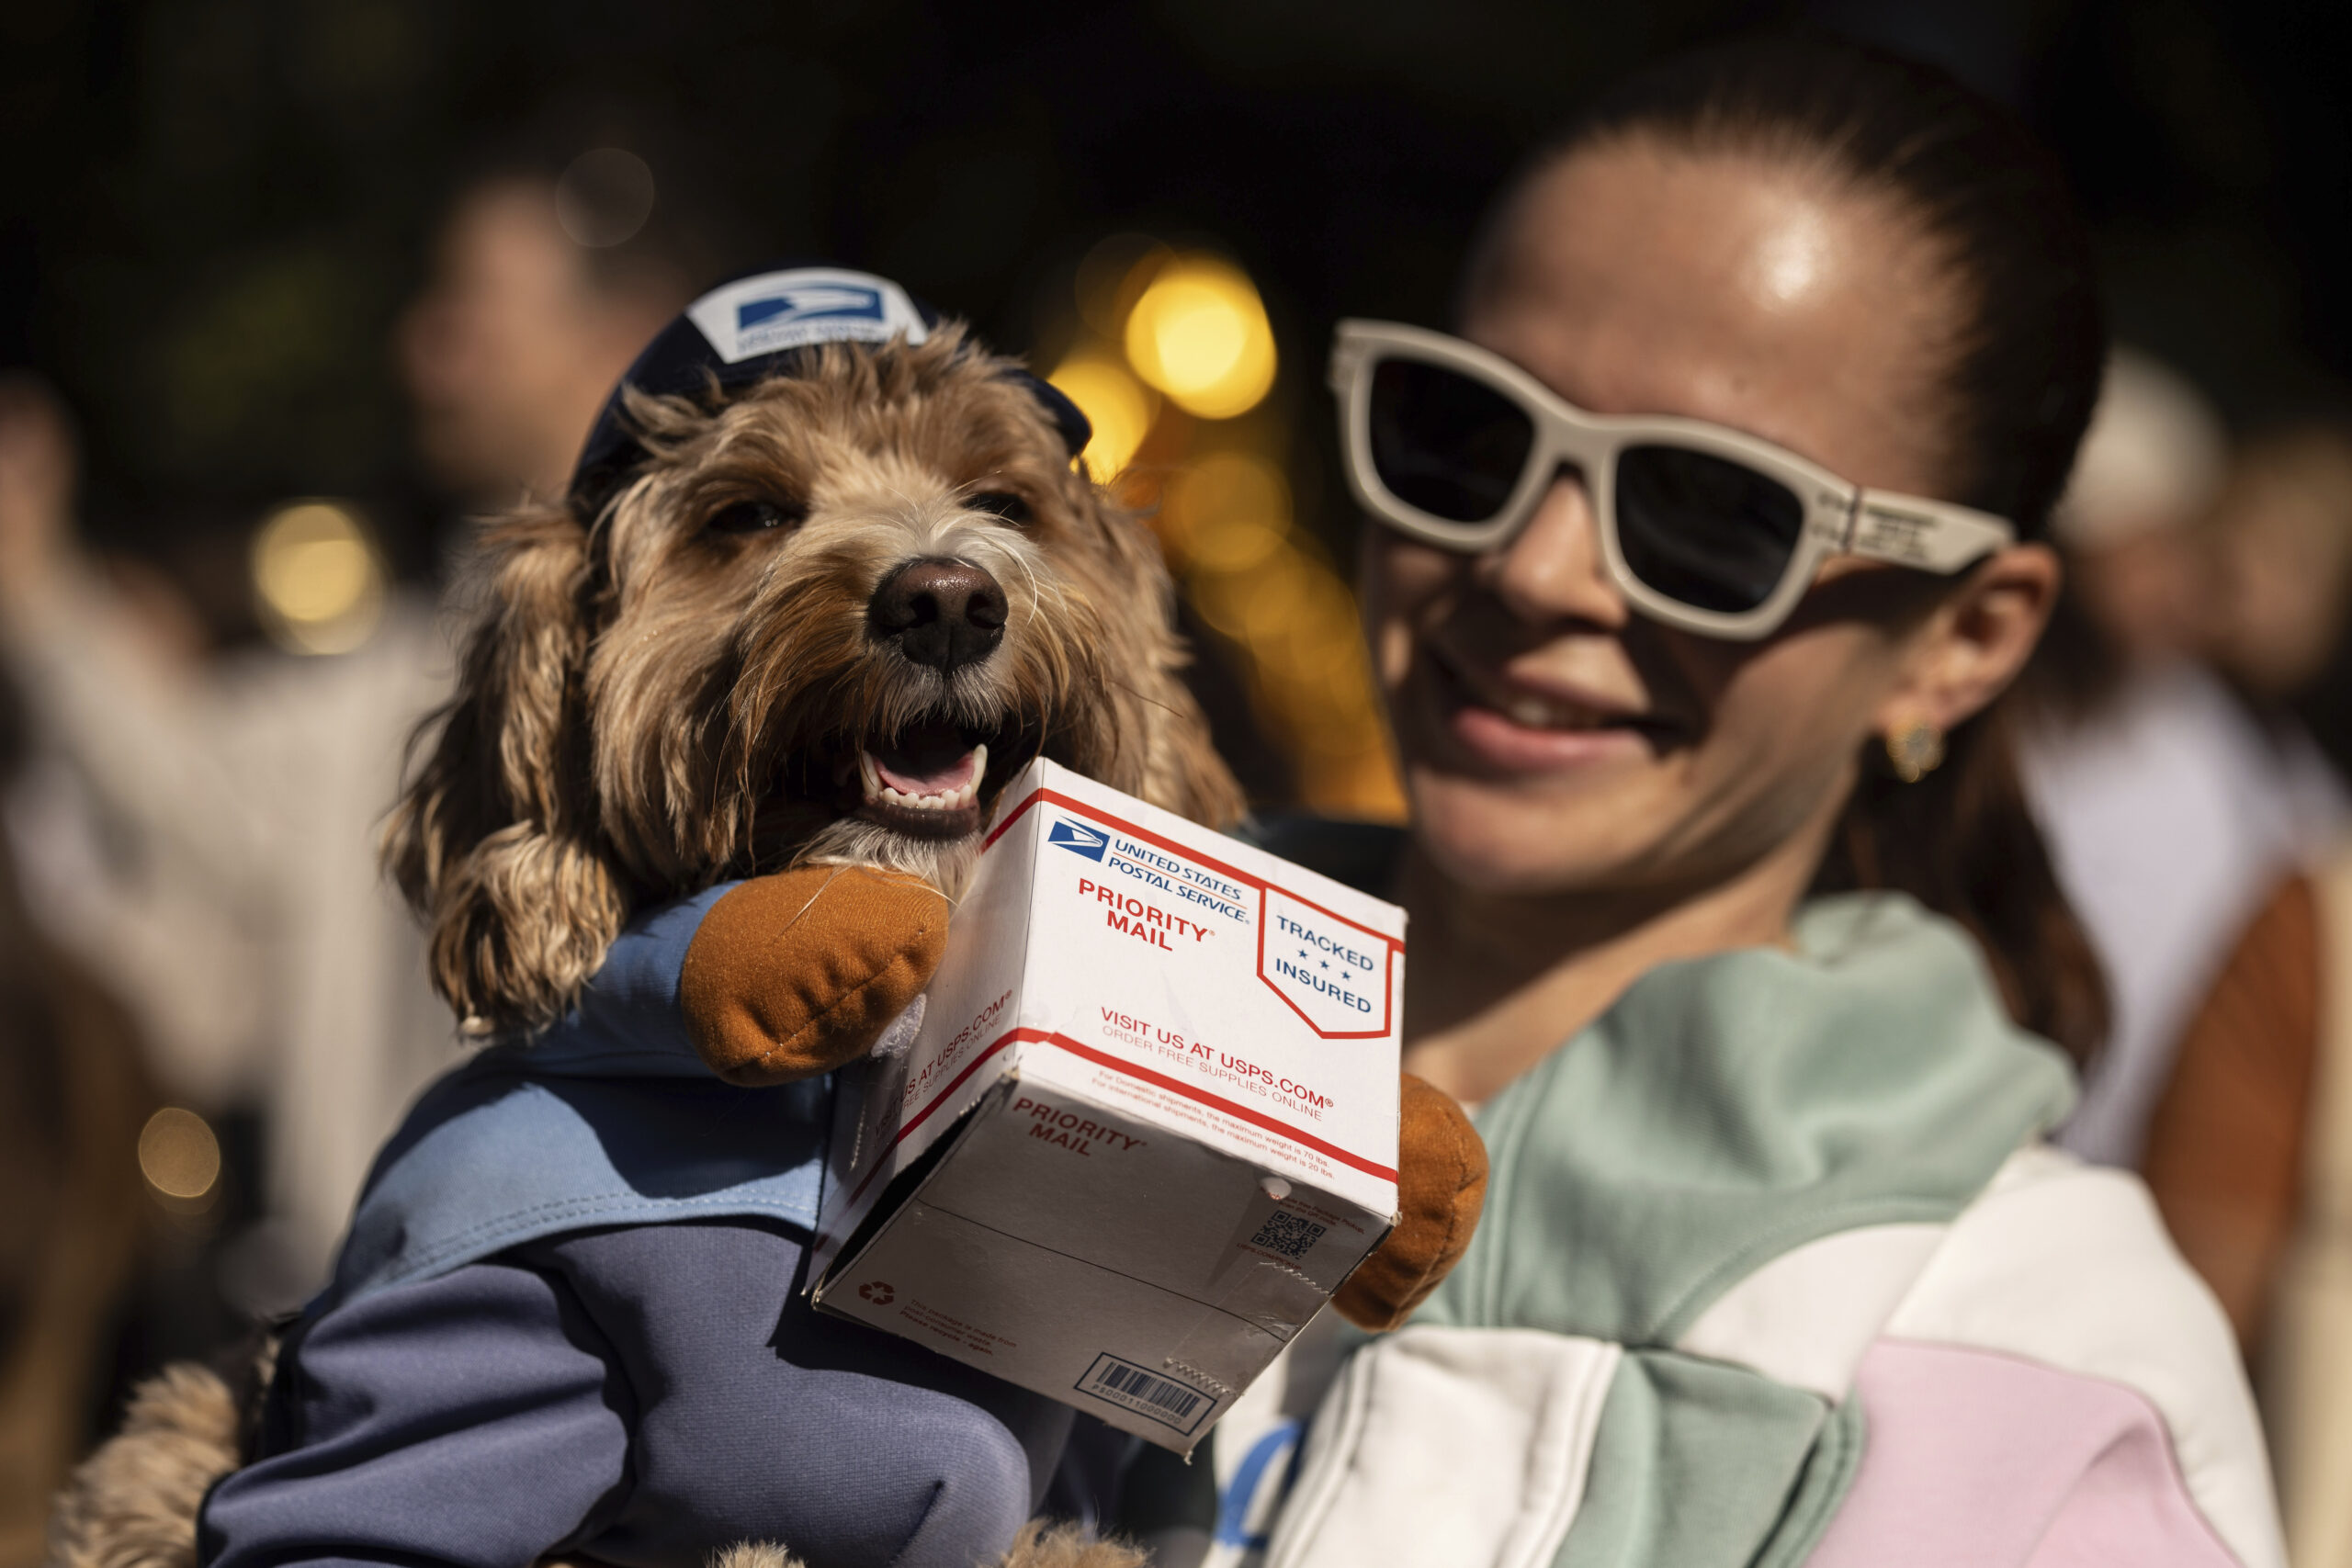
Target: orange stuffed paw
x,y
795,973
1441,1186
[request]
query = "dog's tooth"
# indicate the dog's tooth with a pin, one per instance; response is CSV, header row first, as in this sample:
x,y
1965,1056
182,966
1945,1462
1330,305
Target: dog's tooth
x,y
867,775
979,767
894,797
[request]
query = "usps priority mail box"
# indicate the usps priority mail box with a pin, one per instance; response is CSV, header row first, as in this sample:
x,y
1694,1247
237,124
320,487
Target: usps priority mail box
x,y
1143,1124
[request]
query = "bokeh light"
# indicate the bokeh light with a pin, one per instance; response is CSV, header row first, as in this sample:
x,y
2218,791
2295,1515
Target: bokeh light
x,y
317,578
1257,578
1120,408
1226,512
1205,464
179,1157
604,197
1199,333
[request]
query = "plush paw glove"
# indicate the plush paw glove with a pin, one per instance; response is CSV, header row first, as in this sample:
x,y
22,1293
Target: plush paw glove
x,y
1441,1186
798,972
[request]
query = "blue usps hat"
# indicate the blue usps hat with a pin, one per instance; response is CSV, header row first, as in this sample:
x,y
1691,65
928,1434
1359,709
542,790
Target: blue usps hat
x,y
756,326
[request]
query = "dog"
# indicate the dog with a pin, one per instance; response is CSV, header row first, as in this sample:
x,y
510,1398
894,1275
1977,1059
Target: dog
x,y
727,729
801,615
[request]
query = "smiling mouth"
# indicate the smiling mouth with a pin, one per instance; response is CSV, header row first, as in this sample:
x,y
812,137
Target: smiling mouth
x,y
1462,686
931,780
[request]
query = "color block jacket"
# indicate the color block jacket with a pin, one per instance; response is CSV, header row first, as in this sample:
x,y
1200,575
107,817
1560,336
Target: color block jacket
x,y
1776,1269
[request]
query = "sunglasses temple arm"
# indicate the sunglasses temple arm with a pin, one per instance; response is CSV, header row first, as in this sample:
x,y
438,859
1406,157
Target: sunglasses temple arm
x,y
1930,535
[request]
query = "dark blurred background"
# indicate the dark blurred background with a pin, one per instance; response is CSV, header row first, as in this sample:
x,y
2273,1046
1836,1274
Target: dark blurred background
x,y
212,210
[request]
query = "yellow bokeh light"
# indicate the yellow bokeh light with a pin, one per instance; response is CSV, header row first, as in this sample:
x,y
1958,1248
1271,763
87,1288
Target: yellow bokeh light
x,y
1199,335
1221,598
318,578
1228,512
1120,408
1277,594
1233,545
178,1154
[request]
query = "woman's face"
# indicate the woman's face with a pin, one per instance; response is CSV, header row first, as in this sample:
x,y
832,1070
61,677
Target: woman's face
x,y
1553,741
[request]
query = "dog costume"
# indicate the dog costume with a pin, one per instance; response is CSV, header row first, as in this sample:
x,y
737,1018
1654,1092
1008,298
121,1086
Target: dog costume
x,y
566,1319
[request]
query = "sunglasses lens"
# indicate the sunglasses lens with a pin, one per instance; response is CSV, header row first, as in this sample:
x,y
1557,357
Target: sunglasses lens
x,y
1704,532
1444,442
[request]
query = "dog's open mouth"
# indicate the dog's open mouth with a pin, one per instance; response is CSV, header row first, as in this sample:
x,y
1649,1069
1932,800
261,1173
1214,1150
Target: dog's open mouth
x,y
930,781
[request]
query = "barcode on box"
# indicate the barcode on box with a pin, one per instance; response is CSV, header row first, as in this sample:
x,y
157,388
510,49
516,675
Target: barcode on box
x,y
1164,1400
1288,1234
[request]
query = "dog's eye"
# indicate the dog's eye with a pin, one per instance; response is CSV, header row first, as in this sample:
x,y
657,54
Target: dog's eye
x,y
756,516
1002,504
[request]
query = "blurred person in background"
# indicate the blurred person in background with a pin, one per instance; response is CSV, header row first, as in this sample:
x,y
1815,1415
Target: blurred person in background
x,y
2170,811
74,1091
212,850
542,293
2281,546
2250,1149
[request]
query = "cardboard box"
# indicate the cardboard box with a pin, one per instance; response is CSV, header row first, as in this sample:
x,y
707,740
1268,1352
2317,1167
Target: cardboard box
x,y
1143,1123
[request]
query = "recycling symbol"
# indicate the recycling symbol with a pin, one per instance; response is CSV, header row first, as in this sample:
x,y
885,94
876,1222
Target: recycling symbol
x,y
878,1291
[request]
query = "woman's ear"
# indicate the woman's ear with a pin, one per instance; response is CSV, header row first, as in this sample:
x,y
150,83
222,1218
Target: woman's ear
x,y
1972,644
495,840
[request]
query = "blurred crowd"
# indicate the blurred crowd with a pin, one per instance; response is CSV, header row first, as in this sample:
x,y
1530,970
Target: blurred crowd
x,y
212,1008
225,1007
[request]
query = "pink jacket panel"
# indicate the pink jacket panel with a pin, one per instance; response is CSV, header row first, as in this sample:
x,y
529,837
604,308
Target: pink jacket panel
x,y
1972,1459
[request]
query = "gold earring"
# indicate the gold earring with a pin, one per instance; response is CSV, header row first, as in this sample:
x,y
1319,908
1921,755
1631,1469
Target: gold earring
x,y
1915,751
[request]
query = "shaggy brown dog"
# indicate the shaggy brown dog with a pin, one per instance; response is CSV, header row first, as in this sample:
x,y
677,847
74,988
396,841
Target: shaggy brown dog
x,y
821,624
805,643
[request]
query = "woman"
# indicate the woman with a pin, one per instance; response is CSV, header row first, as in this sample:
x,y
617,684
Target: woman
x,y
1718,522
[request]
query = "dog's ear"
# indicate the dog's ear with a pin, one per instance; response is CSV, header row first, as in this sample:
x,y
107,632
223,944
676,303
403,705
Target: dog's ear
x,y
494,840
1177,769
1183,771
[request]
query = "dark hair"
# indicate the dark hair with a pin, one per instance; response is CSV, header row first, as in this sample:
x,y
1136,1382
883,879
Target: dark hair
x,y
2021,379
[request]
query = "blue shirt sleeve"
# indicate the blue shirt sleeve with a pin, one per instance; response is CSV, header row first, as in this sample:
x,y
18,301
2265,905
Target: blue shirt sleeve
x,y
476,1419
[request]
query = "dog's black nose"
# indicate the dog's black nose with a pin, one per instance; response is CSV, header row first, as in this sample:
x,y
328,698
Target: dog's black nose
x,y
945,614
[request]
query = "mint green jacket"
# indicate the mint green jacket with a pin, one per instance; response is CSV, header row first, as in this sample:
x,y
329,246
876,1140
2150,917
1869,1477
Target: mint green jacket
x,y
1776,1269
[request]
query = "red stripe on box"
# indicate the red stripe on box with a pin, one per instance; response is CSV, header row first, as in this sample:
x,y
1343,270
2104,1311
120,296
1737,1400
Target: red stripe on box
x,y
1175,1086
1103,1059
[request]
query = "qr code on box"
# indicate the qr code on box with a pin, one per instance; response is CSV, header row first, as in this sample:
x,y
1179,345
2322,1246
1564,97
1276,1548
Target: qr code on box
x,y
1288,1234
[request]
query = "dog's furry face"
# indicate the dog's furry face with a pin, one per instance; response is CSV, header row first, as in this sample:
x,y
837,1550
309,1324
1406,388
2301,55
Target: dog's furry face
x,y
825,619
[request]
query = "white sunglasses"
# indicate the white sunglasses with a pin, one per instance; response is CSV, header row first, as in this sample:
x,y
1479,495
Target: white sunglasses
x,y
1700,527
